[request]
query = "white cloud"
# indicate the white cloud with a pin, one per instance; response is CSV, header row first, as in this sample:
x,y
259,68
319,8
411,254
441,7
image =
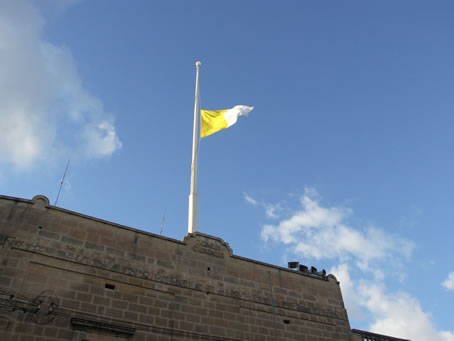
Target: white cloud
x,y
249,199
319,232
40,89
449,282
446,336
272,210
100,139
394,314
399,314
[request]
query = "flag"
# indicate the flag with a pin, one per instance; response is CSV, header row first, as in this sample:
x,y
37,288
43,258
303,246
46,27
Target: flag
x,y
213,121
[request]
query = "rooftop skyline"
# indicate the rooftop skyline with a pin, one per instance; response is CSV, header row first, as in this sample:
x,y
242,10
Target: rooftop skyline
x,y
345,163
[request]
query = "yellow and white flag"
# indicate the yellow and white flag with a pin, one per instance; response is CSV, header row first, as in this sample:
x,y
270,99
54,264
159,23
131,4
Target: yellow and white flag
x,y
212,121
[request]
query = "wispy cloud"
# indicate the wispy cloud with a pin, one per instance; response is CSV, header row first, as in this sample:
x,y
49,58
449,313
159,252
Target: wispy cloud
x,y
249,199
318,232
449,282
40,90
315,231
272,211
399,314
396,314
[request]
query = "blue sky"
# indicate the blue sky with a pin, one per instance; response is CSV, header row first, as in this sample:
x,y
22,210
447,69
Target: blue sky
x,y
346,162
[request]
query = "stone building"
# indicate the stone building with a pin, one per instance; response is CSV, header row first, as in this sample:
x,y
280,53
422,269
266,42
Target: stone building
x,y
68,276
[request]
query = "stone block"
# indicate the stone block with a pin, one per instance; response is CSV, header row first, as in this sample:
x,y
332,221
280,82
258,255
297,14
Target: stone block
x,y
137,308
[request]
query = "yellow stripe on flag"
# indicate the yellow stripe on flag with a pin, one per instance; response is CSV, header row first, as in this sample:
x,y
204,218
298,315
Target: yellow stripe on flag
x,y
212,121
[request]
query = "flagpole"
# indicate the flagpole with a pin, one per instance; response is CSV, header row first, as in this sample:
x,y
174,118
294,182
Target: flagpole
x,y
193,197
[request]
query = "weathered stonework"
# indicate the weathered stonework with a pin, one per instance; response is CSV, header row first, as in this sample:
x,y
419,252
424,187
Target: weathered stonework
x,y
87,279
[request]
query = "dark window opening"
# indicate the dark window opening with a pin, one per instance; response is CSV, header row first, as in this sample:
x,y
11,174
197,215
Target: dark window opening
x,y
287,321
110,286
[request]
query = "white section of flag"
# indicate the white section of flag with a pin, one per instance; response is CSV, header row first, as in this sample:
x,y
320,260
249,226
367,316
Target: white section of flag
x,y
231,115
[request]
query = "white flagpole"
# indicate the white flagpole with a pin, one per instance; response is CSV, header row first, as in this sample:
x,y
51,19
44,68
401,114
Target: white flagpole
x,y
193,201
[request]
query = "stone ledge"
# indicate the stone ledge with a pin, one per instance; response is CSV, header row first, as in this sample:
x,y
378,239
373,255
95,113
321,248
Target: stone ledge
x,y
83,324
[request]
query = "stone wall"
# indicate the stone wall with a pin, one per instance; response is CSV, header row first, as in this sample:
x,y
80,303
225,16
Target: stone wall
x,y
66,276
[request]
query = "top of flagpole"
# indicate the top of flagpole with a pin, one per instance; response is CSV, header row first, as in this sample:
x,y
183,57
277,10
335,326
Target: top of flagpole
x,y
198,63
